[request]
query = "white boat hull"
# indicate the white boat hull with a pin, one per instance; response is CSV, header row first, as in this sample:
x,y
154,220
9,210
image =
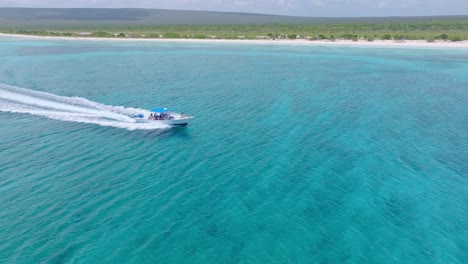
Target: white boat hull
x,y
172,122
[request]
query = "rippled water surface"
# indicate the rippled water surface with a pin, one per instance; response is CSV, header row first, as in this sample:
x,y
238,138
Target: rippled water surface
x,y
297,154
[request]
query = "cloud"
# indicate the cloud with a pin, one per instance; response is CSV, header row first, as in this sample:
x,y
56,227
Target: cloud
x,y
382,4
286,7
242,2
319,3
410,3
287,3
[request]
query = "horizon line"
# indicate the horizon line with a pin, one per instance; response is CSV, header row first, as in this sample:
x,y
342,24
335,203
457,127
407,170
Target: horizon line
x,y
231,12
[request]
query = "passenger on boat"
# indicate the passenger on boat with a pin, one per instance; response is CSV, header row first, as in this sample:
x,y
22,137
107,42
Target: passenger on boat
x,y
162,116
182,115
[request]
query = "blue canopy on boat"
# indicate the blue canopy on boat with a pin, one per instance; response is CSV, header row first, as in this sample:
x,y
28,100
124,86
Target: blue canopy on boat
x,y
160,109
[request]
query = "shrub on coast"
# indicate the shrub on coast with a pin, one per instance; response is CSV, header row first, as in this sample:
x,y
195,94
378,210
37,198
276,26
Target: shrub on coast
x,y
455,38
370,39
134,35
101,34
200,36
121,35
273,36
171,35
347,36
355,38
292,36
33,32
442,36
152,35
387,36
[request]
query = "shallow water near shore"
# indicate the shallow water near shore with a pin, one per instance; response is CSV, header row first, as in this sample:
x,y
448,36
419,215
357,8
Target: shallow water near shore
x,y
296,155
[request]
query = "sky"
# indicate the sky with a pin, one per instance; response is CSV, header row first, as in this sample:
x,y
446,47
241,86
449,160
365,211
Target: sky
x,y
314,8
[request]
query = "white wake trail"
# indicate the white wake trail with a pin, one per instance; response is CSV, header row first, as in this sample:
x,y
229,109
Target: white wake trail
x,y
72,109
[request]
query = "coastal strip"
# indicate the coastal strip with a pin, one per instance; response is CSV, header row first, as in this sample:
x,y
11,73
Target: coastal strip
x,y
300,42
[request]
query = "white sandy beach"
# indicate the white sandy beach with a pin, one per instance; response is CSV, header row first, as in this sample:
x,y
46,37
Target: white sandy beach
x,y
301,42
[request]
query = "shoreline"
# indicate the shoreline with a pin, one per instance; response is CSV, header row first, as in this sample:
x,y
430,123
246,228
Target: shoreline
x,y
298,42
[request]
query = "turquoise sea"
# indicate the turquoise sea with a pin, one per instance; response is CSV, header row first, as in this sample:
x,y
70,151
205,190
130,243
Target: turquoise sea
x,y
298,154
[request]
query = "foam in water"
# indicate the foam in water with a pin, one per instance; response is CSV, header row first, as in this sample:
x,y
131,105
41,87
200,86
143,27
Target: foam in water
x,y
73,109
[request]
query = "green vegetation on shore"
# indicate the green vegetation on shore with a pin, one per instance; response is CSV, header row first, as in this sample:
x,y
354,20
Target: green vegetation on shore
x,y
395,31
151,23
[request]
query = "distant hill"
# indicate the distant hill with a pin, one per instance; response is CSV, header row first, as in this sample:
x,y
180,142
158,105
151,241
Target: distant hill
x,y
161,23
60,17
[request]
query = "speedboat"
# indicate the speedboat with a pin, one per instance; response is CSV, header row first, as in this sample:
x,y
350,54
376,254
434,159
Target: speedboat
x,y
163,115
